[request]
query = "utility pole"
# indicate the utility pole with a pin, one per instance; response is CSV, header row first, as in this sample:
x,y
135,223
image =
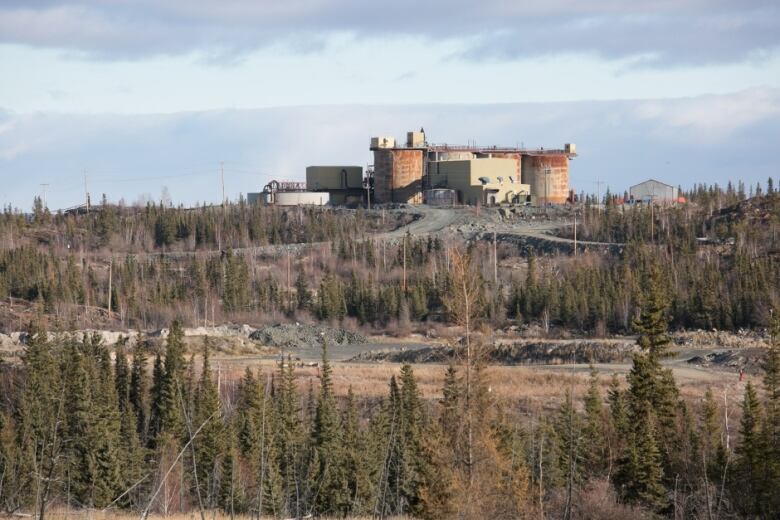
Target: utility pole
x,y
110,279
222,176
368,182
546,182
598,194
495,260
404,264
575,232
86,190
289,287
44,186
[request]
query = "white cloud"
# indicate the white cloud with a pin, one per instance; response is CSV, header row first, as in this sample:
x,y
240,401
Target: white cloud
x,y
712,118
662,32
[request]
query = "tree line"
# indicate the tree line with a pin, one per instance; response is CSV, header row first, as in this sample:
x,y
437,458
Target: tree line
x,y
720,271
77,427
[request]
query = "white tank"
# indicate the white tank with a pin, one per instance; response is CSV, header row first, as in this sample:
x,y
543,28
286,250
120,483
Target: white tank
x,y
301,198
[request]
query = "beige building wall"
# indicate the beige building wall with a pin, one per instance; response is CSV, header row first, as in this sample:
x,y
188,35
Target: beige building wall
x,y
334,177
464,176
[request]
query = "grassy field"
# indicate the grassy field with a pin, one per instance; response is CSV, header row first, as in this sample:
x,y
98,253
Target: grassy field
x,y
528,388
89,514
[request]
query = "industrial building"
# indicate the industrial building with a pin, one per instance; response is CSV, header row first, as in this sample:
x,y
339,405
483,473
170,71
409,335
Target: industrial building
x,y
488,181
344,184
478,175
653,191
417,172
288,193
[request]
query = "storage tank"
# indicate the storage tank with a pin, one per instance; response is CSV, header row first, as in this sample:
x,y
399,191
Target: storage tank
x,y
548,176
398,175
441,197
300,198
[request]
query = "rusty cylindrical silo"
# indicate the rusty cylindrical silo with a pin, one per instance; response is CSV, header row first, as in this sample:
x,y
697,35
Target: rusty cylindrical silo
x,y
548,176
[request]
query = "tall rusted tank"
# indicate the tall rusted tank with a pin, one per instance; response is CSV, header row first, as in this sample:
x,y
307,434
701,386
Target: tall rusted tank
x,y
398,174
548,176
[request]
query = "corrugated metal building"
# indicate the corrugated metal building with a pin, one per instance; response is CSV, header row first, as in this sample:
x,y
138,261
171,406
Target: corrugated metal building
x,y
653,191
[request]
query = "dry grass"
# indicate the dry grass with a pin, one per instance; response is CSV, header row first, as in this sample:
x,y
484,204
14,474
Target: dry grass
x,y
89,514
528,388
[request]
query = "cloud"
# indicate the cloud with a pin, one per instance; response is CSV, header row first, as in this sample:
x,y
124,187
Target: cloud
x,y
685,141
657,33
711,118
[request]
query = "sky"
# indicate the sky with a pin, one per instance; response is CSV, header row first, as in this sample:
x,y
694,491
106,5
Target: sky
x,y
141,95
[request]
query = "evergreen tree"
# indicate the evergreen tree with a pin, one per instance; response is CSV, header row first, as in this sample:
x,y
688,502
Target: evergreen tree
x,y
771,433
210,443
40,417
139,385
595,457
157,402
122,378
412,430
652,404
568,430
357,492
173,382
302,293
328,475
288,440
644,484
230,490
748,492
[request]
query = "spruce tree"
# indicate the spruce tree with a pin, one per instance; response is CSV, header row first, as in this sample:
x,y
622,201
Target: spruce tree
x,y
41,421
594,433
356,498
450,407
568,431
412,430
328,475
652,403
174,378
231,492
139,386
647,486
288,440
157,403
748,479
210,443
302,293
122,378
771,430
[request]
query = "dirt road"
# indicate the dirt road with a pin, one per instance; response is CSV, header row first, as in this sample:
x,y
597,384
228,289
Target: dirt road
x,y
470,223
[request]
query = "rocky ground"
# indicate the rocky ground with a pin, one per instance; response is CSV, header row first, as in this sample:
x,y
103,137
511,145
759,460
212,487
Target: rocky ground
x,y
299,336
522,352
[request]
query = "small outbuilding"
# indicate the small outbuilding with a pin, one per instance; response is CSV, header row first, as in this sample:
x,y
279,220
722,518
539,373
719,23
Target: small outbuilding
x,y
653,191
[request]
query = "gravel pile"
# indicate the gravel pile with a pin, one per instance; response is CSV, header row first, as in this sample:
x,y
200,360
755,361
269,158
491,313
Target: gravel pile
x,y
751,360
547,353
300,336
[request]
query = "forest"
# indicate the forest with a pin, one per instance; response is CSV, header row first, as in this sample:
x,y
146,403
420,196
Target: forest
x,y
151,431
141,268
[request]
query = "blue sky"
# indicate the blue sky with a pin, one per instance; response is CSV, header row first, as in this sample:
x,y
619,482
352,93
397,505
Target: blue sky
x,y
144,94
